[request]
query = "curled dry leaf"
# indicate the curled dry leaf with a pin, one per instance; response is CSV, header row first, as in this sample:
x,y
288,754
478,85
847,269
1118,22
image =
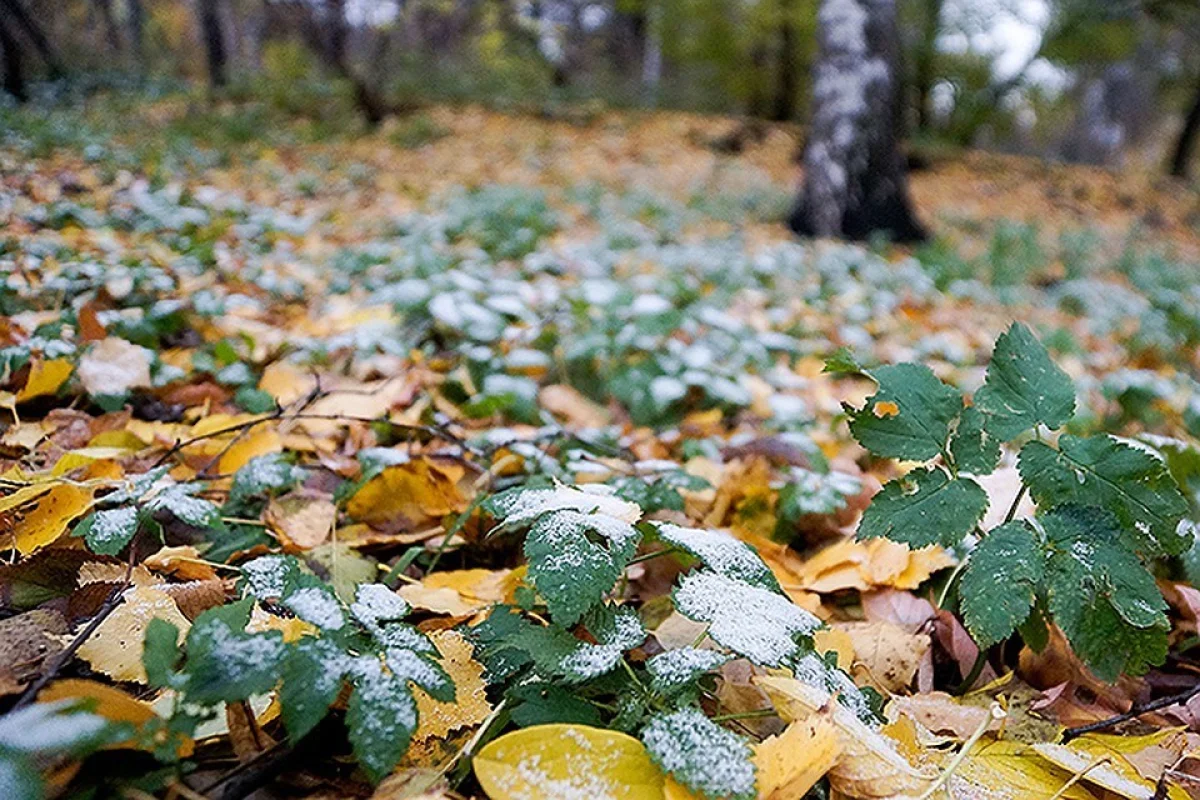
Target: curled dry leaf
x,y
461,592
183,562
115,647
874,564
28,640
301,522
886,657
409,496
791,763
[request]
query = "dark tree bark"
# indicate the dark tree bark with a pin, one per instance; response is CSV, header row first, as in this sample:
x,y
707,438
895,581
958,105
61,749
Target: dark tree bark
x,y
14,71
855,184
926,55
1185,145
787,80
137,29
111,32
214,42
14,11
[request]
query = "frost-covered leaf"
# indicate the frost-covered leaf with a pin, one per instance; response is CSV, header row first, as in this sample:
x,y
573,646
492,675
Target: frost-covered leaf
x,y
720,552
521,506
267,576
1000,582
316,604
181,501
1101,595
224,662
753,622
701,754
107,532
262,475
675,671
381,716
575,558
1024,387
113,366
925,507
1128,479
909,416
312,674
615,630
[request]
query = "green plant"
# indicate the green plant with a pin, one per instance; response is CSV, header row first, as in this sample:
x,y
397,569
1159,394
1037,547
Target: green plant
x,y
1108,508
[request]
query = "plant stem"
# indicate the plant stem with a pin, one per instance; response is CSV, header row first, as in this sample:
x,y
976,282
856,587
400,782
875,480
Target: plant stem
x,y
1132,713
756,714
1012,510
650,556
973,675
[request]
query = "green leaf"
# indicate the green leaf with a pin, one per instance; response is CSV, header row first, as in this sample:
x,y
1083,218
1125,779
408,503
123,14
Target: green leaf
x,y
972,448
1024,387
263,475
721,553
313,673
675,672
753,622
381,717
179,500
910,415
160,653
925,507
575,558
1000,582
543,703
224,662
843,362
107,532
1101,595
1127,479
701,754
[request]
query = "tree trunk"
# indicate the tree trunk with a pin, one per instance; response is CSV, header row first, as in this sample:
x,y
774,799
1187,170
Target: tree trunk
x,y
787,79
137,30
855,185
17,13
1185,146
926,55
112,33
14,73
214,42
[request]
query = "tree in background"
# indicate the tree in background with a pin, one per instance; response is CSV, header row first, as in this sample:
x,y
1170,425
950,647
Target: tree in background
x,y
855,184
214,42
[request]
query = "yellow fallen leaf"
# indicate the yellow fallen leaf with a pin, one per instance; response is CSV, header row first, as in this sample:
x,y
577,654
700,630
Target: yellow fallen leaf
x,y
459,592
871,765
834,640
1012,769
258,441
45,377
300,521
73,459
789,764
286,382
552,762
470,706
48,518
886,656
1100,764
573,407
292,628
115,647
110,703
409,495
25,436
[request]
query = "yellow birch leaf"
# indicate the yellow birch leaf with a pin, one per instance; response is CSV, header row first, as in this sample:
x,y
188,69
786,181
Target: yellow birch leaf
x,y
1103,766
115,647
256,442
789,764
48,519
302,522
26,494
470,706
1015,770
458,592
45,377
415,493
73,459
552,762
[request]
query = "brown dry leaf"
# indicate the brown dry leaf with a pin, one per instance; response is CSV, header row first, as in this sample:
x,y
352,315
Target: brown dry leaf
x,y
114,366
886,657
460,592
23,437
942,714
48,517
416,783
28,640
1074,695
871,765
45,377
112,572
792,762
470,706
301,522
115,648
408,496
570,405
195,597
245,736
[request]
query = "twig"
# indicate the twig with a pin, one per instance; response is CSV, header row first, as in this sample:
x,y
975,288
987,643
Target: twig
x,y
1135,711
996,713
1012,510
110,604
1078,776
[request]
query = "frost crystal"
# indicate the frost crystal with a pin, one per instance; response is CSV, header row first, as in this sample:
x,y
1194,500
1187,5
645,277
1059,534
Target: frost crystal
x,y
266,575
753,622
701,754
525,505
676,669
111,529
317,606
721,553
376,603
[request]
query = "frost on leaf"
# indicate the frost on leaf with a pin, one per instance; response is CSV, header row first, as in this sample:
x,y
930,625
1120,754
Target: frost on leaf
x,y
1000,582
312,676
701,754
227,664
615,630
381,716
752,622
179,500
375,604
107,532
317,605
722,553
520,506
674,671
925,507
1024,387
263,474
575,558
267,576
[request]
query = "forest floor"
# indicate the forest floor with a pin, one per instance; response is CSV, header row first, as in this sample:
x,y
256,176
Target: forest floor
x,y
247,372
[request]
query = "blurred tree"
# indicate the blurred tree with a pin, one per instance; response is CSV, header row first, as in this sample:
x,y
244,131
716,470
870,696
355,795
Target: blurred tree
x,y
14,67
855,184
1185,145
213,36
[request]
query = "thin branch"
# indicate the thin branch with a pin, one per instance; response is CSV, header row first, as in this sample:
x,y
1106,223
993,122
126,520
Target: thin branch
x,y
1136,711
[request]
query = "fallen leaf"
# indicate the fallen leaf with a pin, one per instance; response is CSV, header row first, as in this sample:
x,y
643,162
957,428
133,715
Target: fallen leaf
x,y
258,441
552,762
113,366
470,706
570,405
110,703
789,764
301,522
410,495
459,592
29,639
48,517
886,657
115,647
45,377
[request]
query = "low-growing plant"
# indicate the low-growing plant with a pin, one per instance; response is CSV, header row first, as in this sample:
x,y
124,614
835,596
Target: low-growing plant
x,y
1108,509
